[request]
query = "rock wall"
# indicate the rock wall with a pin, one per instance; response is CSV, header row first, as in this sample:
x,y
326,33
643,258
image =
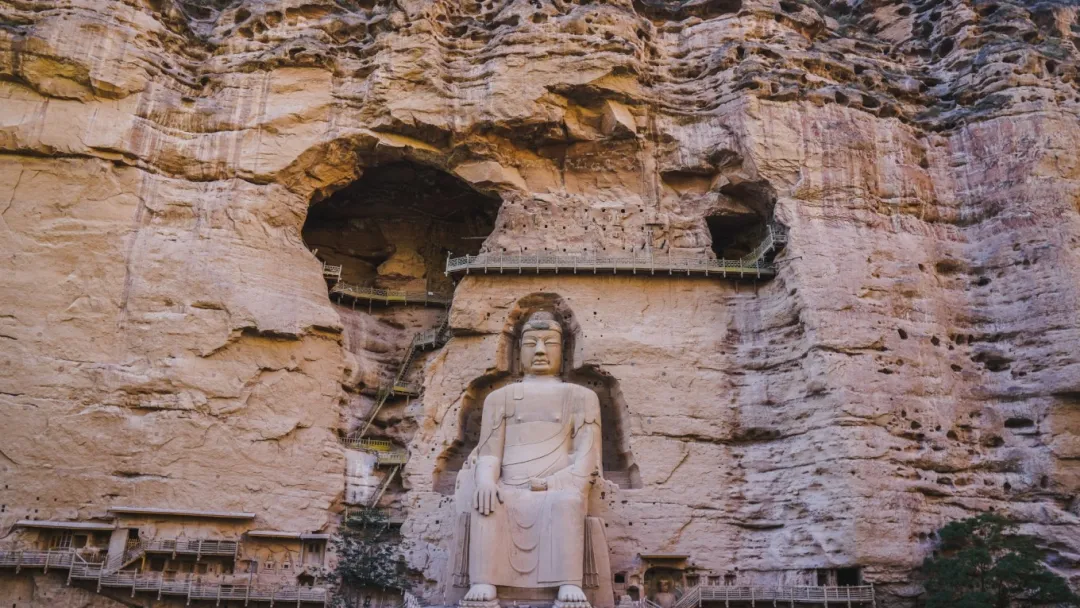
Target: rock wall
x,y
168,340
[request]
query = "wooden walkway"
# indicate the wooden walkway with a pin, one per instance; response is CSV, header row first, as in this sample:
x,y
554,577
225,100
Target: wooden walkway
x,y
757,264
196,547
192,587
342,291
700,595
385,452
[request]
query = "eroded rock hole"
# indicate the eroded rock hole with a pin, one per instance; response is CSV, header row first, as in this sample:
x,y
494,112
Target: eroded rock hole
x,y
678,10
1019,422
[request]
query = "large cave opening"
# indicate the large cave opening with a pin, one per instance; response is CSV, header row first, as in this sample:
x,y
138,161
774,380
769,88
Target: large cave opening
x,y
393,227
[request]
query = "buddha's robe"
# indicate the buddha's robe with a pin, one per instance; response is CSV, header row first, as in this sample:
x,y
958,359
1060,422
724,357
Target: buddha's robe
x,y
536,538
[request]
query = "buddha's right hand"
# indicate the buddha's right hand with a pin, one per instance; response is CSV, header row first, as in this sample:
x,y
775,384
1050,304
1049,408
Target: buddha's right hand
x,y
486,495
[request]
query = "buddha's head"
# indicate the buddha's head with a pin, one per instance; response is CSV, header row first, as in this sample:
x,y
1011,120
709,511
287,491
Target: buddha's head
x,y
542,345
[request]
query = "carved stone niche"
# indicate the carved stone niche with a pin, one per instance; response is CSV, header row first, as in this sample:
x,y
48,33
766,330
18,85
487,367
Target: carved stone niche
x,y
526,546
618,458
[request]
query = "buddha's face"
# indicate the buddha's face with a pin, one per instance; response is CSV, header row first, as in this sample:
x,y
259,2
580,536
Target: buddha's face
x,y
541,352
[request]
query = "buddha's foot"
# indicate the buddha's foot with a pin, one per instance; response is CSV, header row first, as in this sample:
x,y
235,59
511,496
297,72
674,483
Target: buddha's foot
x,y
480,596
571,596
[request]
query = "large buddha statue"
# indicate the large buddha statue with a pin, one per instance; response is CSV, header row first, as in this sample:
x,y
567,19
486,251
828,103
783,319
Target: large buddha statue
x,y
526,485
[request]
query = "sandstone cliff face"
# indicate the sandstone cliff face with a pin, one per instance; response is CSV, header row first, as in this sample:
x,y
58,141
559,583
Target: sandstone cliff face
x,y
168,341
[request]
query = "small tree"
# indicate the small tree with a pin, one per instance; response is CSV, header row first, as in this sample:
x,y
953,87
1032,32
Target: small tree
x,y
983,563
367,558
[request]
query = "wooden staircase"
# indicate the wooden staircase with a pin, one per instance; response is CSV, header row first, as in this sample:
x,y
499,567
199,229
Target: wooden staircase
x,y
432,338
133,550
385,484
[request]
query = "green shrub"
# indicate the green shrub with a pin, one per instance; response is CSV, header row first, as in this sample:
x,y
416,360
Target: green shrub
x,y
368,558
983,563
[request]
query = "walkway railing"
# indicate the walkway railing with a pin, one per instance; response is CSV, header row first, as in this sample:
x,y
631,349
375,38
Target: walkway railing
x,y
193,587
849,596
53,558
385,452
196,547
756,264
358,292
331,273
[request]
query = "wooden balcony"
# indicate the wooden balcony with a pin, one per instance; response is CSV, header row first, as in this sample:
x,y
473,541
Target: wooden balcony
x,y
701,595
757,264
196,547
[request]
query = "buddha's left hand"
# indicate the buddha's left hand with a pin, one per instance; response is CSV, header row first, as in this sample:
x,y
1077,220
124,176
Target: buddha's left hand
x,y
536,484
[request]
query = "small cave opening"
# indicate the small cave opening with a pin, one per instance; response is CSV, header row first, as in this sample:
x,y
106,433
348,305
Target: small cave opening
x,y
740,221
734,236
839,577
678,10
392,227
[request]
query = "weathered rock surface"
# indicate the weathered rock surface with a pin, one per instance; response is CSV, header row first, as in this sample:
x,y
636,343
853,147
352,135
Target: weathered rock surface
x,y
168,341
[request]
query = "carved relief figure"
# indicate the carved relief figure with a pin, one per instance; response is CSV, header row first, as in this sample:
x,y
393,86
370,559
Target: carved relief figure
x,y
526,485
665,597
